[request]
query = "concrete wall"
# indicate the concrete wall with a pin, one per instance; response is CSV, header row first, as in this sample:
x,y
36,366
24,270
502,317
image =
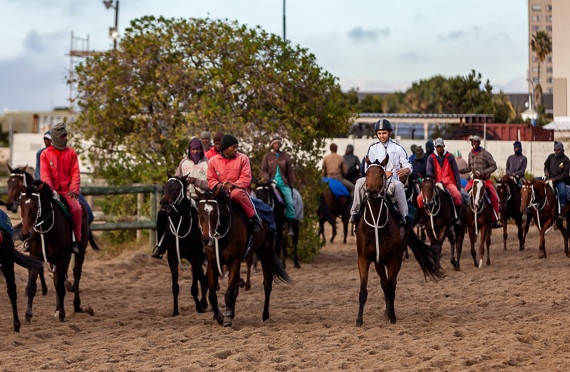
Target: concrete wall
x,y
536,152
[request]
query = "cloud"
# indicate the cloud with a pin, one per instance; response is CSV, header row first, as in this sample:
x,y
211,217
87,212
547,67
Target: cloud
x,y
453,36
361,34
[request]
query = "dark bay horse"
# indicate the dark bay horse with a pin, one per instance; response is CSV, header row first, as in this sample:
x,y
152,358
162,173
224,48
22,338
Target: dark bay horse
x,y
436,215
330,207
268,193
225,236
510,207
479,221
538,195
8,256
50,239
380,240
17,182
182,239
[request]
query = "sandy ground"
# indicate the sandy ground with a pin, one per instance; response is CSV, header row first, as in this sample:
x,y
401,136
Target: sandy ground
x,y
513,315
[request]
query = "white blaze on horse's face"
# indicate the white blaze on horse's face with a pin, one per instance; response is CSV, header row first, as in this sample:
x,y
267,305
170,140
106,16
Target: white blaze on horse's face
x,y
478,197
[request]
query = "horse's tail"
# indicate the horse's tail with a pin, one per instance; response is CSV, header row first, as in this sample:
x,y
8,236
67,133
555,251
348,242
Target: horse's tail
x,y
93,241
426,255
279,273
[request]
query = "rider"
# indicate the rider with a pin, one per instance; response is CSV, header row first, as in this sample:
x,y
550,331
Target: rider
x,y
441,165
482,164
214,150
47,143
516,163
59,168
398,166
334,167
557,170
276,165
352,163
231,170
419,163
194,166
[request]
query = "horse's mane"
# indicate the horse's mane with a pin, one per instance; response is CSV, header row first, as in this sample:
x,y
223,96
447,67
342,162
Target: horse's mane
x,y
45,191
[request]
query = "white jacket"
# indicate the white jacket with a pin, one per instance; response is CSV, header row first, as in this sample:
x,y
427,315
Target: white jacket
x,y
398,158
199,171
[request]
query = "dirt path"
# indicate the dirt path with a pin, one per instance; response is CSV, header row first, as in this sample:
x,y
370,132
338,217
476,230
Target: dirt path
x,y
512,315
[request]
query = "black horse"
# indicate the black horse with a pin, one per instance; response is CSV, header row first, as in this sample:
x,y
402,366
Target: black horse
x,y
8,256
268,193
330,207
182,239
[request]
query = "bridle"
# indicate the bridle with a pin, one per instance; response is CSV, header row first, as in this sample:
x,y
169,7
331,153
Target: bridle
x,y
375,219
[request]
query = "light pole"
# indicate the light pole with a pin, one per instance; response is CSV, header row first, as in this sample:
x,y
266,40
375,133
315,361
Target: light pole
x,y
284,28
113,31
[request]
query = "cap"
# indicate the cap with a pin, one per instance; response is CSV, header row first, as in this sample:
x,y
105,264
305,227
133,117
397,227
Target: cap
x,y
47,135
439,142
475,138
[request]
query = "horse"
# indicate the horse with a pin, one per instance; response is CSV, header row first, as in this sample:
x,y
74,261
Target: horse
x,y
17,182
182,239
412,190
330,207
49,229
8,256
509,207
268,192
225,236
479,220
538,195
436,215
380,240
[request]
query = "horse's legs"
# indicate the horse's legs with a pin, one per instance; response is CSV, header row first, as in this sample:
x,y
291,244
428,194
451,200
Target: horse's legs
x,y
173,264
322,230
43,281
473,240
267,267
482,241
232,291
459,237
388,283
77,271
295,240
363,266
249,262
333,224
488,242
505,233
59,283
7,265
213,274
31,292
345,218
198,277
564,233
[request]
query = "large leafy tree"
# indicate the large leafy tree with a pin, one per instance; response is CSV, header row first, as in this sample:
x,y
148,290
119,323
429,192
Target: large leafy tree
x,y
171,78
541,45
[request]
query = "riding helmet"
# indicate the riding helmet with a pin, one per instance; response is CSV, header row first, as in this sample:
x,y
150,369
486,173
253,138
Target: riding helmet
x,y
383,124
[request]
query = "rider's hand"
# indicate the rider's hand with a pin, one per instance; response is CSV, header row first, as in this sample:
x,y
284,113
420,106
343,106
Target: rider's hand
x,y
477,173
191,180
229,186
388,174
72,195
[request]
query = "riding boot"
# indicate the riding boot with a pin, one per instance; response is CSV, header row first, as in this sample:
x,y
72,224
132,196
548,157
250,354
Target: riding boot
x,y
161,226
255,224
458,215
560,214
75,247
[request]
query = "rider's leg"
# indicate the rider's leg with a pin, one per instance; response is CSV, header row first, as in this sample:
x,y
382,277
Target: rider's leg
x,y
396,189
87,207
161,225
76,217
241,197
359,190
457,199
494,202
561,187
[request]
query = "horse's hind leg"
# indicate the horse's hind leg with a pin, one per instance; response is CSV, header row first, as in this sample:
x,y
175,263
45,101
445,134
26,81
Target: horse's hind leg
x,y
198,277
295,240
267,283
59,282
173,264
77,271
43,281
212,273
505,234
9,276
31,289
232,292
488,242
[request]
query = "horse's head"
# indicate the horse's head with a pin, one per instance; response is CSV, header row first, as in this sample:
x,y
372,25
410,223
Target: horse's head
x,y
173,193
503,187
17,183
211,208
478,193
375,178
527,194
427,188
264,191
30,205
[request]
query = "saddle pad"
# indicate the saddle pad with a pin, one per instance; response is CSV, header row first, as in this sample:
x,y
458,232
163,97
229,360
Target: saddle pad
x,y
298,202
337,188
6,223
265,212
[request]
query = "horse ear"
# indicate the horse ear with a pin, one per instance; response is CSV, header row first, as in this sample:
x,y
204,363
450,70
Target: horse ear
x,y
367,160
24,170
9,168
385,161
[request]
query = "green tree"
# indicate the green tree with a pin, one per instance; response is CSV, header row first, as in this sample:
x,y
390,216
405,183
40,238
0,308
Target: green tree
x,y
541,45
170,78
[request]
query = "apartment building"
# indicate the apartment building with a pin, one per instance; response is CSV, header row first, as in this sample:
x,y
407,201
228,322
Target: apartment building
x,y
540,19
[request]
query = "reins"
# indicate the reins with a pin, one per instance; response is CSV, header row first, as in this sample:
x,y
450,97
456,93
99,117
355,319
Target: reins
x,y
38,227
537,206
175,230
432,211
217,236
375,223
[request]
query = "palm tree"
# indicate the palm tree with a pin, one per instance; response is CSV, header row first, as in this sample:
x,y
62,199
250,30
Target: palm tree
x,y
541,45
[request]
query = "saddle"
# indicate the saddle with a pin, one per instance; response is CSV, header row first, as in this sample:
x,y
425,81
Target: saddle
x,y
337,188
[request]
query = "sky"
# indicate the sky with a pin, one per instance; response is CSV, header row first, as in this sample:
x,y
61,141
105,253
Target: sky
x,y
369,45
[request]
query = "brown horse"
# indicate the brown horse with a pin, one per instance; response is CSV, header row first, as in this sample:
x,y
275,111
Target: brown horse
x,y
17,182
380,240
330,207
436,215
50,239
479,221
8,256
182,239
509,207
225,237
538,195
268,193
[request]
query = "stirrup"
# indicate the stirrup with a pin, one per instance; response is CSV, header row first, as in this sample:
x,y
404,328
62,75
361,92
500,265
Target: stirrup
x,y
156,252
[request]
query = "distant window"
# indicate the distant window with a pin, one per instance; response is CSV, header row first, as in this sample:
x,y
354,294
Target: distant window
x,y
548,8
549,80
548,18
536,18
535,69
536,28
549,59
549,28
537,8
535,59
549,69
550,90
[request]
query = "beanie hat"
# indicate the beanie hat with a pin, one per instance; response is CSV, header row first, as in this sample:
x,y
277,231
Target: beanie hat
x,y
429,146
227,141
206,134
57,132
275,139
558,146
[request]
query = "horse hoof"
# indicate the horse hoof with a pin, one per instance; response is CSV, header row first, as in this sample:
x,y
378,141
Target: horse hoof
x,y
17,326
228,322
359,322
218,318
28,318
480,264
297,266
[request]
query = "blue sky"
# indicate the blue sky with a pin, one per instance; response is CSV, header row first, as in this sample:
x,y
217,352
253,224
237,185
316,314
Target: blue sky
x,y
372,45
